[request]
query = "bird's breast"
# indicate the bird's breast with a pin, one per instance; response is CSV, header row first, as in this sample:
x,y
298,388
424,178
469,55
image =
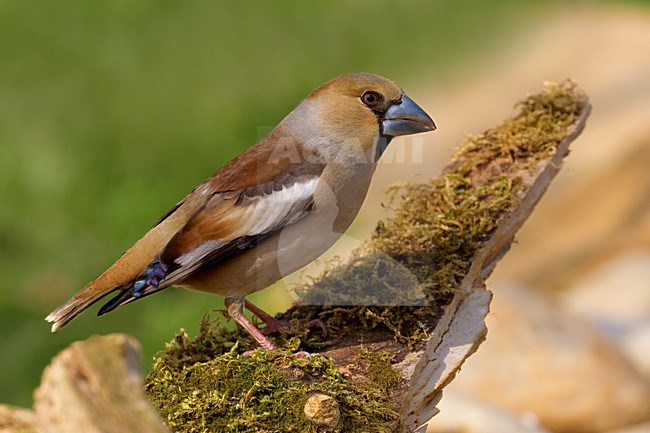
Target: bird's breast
x,y
338,197
340,192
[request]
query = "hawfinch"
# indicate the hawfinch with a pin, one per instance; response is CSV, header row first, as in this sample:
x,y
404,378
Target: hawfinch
x,y
271,210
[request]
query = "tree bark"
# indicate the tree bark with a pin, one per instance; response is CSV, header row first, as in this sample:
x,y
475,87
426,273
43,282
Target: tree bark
x,y
462,329
96,386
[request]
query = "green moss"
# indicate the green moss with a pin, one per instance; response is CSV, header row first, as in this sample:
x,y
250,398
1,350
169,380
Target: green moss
x,y
416,259
378,368
196,391
394,285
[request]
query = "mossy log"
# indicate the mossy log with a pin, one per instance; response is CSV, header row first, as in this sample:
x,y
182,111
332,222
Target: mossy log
x,y
93,386
402,313
17,420
462,328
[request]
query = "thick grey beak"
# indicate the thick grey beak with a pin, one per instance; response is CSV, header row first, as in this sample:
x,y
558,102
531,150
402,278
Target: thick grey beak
x,y
406,118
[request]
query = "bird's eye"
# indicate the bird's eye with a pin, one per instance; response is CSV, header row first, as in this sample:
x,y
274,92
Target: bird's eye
x,y
371,99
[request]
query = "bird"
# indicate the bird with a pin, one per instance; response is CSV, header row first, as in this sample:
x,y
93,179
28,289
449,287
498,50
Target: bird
x,y
271,210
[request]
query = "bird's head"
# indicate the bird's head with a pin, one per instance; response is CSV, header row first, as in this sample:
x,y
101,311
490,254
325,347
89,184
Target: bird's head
x,y
356,115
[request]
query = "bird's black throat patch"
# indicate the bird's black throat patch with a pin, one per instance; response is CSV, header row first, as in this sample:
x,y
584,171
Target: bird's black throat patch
x,y
382,144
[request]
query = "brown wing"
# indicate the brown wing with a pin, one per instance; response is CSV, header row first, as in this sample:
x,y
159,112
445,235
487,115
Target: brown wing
x,y
241,210
229,223
258,167
234,221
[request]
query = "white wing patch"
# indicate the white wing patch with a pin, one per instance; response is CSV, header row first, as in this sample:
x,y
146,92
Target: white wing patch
x,y
272,209
262,214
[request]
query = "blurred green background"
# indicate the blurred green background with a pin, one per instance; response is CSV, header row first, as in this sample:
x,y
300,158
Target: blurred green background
x,y
112,111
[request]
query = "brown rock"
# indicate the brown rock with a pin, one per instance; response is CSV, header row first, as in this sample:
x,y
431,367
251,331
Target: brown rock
x,y
322,410
635,344
615,297
617,292
17,420
96,386
461,413
639,428
541,359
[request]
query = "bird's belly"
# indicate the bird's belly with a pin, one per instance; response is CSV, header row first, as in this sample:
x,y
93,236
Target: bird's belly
x,y
338,197
269,261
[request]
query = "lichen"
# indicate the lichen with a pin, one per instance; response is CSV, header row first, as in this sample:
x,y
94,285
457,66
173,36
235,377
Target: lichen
x,y
394,283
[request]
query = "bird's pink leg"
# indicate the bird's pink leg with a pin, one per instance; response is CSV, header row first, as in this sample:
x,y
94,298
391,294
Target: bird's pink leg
x,y
272,324
235,307
275,325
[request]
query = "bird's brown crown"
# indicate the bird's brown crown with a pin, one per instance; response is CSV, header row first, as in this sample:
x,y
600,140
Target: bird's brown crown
x,y
355,85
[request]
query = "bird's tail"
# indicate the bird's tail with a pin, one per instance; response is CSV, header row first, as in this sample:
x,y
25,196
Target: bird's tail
x,y
146,284
78,303
126,296
126,271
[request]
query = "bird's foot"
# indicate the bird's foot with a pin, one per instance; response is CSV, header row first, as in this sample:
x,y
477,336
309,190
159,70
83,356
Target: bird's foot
x,y
235,307
278,326
282,326
272,324
317,323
